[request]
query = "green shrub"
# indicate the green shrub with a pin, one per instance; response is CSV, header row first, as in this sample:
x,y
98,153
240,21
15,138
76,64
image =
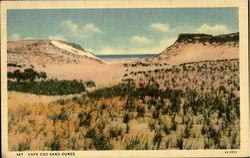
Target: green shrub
x,y
48,87
127,128
180,143
140,111
126,118
115,132
23,146
157,139
133,143
55,145
101,143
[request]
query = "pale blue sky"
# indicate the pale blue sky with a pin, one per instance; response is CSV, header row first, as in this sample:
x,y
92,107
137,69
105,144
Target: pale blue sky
x,y
120,31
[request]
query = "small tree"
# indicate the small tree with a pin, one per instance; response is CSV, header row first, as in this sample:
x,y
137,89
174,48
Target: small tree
x,y
30,74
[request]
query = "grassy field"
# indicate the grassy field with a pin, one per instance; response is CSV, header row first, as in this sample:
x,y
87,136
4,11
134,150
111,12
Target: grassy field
x,y
190,106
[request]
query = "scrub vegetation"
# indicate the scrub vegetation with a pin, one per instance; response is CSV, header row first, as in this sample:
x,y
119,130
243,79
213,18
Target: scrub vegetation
x,y
188,106
30,81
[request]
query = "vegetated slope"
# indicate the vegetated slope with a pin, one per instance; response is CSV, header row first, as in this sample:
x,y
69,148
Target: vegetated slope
x,y
146,111
40,53
202,75
198,47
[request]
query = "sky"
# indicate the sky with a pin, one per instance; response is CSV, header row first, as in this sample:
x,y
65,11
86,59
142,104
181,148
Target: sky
x,y
120,30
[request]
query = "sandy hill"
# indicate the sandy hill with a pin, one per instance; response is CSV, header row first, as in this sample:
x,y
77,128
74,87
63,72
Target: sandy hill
x,y
199,47
40,53
61,60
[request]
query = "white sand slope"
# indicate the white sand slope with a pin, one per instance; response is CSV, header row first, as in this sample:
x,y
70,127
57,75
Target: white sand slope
x,y
73,50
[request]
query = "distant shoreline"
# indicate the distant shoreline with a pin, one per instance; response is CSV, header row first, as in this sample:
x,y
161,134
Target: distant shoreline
x,y
125,57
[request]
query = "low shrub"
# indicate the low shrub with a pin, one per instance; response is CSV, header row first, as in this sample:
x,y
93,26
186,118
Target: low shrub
x,y
48,87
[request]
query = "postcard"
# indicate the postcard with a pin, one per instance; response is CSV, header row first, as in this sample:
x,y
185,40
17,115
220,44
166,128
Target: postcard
x,y
124,79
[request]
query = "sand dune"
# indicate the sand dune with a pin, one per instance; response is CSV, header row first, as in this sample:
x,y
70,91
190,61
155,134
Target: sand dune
x,y
199,47
61,60
182,53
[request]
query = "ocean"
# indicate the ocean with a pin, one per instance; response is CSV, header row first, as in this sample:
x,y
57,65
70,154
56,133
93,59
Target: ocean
x,y
125,57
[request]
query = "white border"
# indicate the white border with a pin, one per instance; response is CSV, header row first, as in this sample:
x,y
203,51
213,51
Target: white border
x,y
243,22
